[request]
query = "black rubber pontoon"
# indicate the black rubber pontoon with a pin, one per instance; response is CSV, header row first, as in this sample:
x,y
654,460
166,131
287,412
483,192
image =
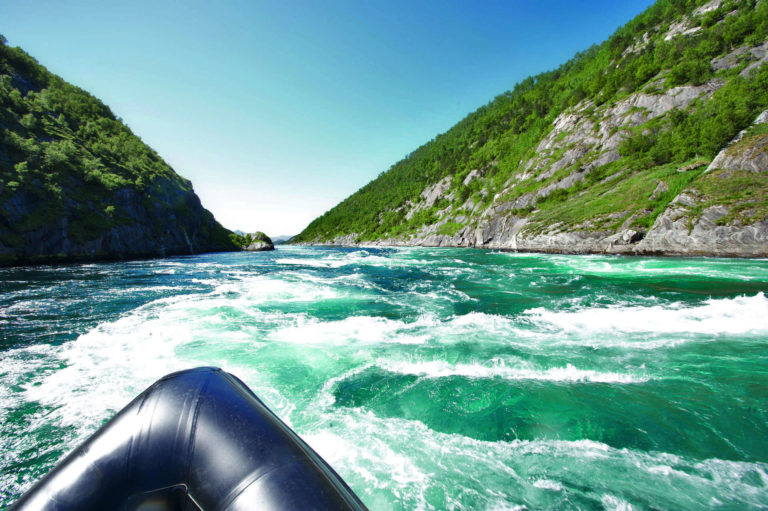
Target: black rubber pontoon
x,y
195,440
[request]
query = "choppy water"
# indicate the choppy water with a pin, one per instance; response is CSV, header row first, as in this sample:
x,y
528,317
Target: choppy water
x,y
428,378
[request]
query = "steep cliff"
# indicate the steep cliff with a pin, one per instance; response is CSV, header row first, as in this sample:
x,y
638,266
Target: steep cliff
x,y
77,184
653,142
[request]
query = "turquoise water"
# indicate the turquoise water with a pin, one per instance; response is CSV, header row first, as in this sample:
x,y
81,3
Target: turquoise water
x,y
428,378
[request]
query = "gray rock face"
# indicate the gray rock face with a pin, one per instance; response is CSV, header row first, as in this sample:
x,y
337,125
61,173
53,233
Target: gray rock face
x,y
755,55
259,246
674,233
473,174
430,195
684,28
173,222
346,241
583,138
661,189
730,60
760,55
754,157
671,234
590,139
749,155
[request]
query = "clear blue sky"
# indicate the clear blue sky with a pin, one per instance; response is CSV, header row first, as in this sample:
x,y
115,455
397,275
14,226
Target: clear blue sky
x,y
278,110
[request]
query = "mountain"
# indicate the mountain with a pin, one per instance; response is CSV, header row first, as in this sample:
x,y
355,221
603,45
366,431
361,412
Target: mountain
x,y
283,238
653,142
77,184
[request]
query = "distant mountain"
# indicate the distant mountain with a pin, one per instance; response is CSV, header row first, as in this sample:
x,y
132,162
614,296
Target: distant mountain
x,y
653,142
77,184
279,240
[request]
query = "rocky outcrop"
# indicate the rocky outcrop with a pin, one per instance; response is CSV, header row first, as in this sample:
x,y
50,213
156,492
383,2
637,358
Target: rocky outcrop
x,y
581,139
429,196
259,246
673,234
258,242
585,138
750,154
685,26
678,232
755,55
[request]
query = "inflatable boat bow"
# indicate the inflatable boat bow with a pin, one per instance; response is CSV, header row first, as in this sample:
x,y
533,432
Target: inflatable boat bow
x,y
195,440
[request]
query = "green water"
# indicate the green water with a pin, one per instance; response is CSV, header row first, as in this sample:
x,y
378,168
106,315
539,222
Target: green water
x,y
428,378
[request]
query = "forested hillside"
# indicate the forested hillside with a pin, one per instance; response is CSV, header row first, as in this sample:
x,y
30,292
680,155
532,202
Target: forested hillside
x,y
590,156
76,183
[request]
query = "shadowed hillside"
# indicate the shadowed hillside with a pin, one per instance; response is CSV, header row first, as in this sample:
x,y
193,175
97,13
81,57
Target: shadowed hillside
x,y
77,184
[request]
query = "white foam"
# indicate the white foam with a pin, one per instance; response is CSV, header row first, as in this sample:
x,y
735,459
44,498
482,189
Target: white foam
x,y
17,365
369,449
84,381
499,369
106,367
265,289
487,322
620,267
614,503
394,258
740,315
317,263
357,329
338,260
548,484
505,506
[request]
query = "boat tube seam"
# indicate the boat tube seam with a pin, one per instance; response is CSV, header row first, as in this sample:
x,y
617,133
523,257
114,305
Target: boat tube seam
x,y
195,415
135,438
247,481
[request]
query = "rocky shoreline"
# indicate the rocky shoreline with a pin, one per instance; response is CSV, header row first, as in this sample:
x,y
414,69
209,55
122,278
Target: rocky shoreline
x,y
671,235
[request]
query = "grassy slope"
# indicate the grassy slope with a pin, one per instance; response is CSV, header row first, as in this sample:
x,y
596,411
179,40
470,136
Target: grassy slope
x,y
504,134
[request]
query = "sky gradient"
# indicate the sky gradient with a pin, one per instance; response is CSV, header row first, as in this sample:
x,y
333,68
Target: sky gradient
x,y
276,111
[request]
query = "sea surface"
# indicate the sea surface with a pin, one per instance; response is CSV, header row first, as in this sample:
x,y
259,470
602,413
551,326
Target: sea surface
x,y
428,378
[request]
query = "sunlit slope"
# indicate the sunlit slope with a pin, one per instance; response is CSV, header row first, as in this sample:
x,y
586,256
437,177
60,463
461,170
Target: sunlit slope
x,y
587,157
